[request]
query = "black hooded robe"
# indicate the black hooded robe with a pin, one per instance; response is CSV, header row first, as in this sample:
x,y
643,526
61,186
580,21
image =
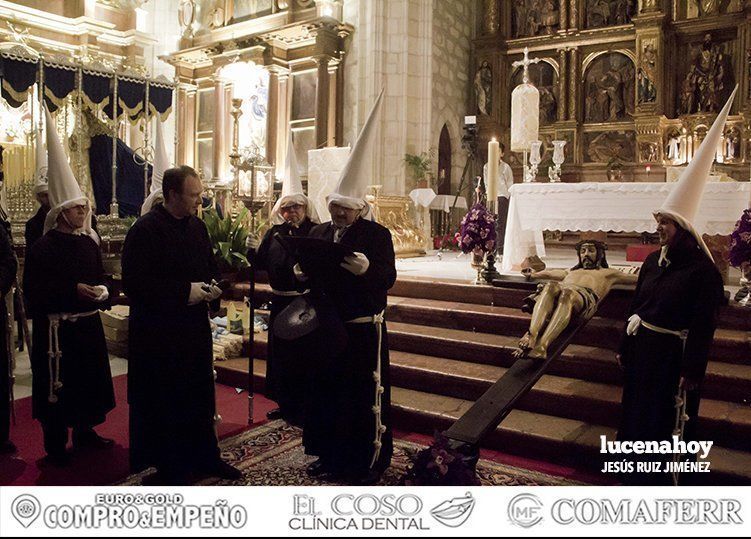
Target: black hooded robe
x,y
286,378
170,364
56,264
684,295
35,227
8,268
340,421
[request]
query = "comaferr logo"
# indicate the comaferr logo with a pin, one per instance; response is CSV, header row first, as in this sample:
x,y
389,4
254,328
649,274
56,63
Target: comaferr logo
x,y
525,510
454,512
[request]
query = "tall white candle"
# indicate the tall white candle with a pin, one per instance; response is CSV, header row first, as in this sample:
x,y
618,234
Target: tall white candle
x,y
494,153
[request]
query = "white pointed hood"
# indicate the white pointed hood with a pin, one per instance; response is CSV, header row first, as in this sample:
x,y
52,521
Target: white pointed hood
x,y
683,201
292,191
161,163
64,191
353,183
40,176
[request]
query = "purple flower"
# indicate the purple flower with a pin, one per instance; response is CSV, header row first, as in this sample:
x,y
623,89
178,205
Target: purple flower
x,y
477,230
740,240
441,460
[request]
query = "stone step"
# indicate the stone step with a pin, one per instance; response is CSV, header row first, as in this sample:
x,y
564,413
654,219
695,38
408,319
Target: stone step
x,y
723,381
615,306
726,423
558,440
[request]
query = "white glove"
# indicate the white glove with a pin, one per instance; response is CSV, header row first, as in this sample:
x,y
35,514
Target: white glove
x,y
356,264
103,292
633,324
299,275
197,293
212,292
252,242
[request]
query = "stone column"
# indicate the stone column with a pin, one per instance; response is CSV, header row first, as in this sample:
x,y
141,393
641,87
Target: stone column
x,y
573,18
333,70
186,124
220,151
562,83
322,101
272,114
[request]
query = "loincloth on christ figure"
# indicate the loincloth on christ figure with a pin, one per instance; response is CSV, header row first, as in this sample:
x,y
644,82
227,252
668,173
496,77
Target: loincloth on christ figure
x,y
589,299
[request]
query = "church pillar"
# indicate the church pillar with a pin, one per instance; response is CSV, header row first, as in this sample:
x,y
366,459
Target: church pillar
x,y
333,71
185,125
220,151
278,118
322,101
562,83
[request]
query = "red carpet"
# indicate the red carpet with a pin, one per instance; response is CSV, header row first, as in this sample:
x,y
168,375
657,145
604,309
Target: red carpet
x,y
104,467
107,467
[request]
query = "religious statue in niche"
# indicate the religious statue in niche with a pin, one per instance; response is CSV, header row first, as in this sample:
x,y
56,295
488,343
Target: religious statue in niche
x,y
707,8
648,152
543,76
708,79
483,88
535,17
601,13
732,148
609,146
609,89
646,76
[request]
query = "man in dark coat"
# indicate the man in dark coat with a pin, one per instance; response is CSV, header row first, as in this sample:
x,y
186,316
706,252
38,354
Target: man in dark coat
x,y
347,422
8,268
168,265
285,359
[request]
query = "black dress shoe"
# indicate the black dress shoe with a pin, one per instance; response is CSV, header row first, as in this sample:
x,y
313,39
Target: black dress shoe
x,y
89,438
7,448
276,413
222,470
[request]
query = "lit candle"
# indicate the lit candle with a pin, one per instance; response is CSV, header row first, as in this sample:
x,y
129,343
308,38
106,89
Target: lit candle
x,y
491,182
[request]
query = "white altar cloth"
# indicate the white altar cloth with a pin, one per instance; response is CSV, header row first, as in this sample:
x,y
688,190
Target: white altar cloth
x,y
445,203
606,206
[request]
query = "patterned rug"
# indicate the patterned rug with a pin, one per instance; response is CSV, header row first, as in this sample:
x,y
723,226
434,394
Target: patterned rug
x,y
272,455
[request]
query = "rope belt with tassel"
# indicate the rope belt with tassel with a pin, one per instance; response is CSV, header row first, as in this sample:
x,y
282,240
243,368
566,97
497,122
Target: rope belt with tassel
x,y
380,428
54,353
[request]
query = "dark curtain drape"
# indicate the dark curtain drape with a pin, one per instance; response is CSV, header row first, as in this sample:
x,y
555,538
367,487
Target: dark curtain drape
x,y
130,186
17,77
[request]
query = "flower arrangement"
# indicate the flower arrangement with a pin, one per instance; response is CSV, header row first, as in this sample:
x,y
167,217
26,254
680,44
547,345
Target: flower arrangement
x,y
477,233
740,241
441,464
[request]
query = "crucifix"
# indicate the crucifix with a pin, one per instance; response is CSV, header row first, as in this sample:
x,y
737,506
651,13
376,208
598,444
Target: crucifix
x,y
525,62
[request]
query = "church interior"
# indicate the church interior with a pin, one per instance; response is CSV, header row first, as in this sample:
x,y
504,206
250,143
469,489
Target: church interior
x,y
598,107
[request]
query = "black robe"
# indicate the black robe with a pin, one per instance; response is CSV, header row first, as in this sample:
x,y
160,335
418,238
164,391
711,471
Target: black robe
x,y
285,360
170,363
8,268
35,227
54,267
684,295
340,420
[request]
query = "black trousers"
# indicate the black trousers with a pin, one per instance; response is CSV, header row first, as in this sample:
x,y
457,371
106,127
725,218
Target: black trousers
x,y
4,397
500,224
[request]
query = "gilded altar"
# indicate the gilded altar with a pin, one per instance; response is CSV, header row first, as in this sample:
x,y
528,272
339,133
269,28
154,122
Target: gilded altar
x,y
393,212
632,86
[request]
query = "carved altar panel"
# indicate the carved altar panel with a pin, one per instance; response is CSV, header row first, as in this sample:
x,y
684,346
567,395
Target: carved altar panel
x,y
609,88
535,17
483,86
602,13
647,78
697,9
545,77
609,146
705,74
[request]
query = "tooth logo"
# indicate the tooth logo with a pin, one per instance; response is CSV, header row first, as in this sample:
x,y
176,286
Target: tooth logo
x,y
454,512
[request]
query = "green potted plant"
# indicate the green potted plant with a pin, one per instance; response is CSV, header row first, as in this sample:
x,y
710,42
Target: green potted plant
x,y
419,167
228,237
